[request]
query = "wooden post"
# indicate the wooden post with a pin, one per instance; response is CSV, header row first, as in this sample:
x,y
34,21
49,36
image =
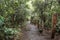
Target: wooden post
x,y
54,21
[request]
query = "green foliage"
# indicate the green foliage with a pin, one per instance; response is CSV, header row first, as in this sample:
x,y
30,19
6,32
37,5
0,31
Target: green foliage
x,y
58,25
11,31
12,14
14,11
1,20
45,9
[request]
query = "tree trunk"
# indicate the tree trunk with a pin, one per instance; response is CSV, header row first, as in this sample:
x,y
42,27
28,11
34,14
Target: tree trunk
x,y
13,20
54,21
38,24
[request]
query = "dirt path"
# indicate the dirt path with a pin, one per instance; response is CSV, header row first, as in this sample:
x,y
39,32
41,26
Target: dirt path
x,y
31,33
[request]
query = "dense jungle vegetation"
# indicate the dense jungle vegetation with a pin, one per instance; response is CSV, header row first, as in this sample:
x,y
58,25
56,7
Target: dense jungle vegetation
x,y
14,15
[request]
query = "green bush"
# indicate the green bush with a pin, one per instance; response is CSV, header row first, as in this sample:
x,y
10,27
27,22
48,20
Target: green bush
x,y
58,27
10,31
1,20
